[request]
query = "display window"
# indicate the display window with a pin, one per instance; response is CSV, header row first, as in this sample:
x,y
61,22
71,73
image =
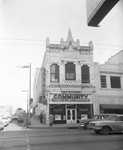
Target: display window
x,y
84,111
58,110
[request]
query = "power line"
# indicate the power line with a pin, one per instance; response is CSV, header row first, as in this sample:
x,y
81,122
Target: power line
x,y
109,45
40,40
22,40
21,44
110,49
26,44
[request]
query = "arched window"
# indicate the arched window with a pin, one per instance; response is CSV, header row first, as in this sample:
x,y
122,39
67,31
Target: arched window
x,y
54,73
85,74
70,73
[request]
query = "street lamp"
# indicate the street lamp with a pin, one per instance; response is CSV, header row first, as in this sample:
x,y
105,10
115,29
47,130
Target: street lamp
x,y
29,98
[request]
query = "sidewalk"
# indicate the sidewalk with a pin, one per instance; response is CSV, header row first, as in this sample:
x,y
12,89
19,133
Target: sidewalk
x,y
35,124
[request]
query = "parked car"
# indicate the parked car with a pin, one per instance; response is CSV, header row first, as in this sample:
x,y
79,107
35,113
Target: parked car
x,y
14,117
84,123
111,124
1,125
5,121
21,117
9,119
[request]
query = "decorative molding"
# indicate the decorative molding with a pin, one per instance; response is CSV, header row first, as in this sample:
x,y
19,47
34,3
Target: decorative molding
x,y
62,61
51,63
71,86
111,72
84,63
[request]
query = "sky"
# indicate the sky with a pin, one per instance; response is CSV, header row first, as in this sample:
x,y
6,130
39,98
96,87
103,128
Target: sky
x,y
24,27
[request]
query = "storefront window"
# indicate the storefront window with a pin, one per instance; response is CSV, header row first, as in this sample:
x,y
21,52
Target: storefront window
x,y
84,111
58,110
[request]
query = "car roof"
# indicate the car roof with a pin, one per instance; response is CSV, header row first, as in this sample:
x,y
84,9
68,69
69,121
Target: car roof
x,y
104,114
119,114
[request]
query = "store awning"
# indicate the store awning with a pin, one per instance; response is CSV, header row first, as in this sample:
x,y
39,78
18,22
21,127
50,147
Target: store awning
x,y
111,106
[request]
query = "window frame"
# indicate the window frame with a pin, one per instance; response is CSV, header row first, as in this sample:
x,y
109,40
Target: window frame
x,y
70,72
55,73
84,74
102,82
113,82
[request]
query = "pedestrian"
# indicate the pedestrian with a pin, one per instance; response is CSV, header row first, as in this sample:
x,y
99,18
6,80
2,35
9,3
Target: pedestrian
x,y
41,117
24,125
51,120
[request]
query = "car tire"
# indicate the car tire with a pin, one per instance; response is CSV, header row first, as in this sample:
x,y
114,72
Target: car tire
x,y
105,130
86,126
96,131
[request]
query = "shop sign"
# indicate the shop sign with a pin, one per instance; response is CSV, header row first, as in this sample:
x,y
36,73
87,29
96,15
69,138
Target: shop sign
x,y
57,110
71,98
57,117
43,100
44,80
84,110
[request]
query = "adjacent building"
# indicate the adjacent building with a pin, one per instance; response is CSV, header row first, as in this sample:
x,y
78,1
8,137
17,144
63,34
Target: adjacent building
x,y
71,86
109,85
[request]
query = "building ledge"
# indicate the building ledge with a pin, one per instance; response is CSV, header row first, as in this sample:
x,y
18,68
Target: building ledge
x,y
71,87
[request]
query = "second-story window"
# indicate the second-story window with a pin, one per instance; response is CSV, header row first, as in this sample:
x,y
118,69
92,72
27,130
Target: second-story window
x,y
85,73
70,73
115,82
54,73
103,81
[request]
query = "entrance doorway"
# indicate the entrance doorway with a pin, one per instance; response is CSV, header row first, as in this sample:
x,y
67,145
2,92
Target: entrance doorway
x,y
71,115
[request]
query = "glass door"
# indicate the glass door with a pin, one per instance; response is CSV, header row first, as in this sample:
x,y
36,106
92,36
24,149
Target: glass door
x,y
71,115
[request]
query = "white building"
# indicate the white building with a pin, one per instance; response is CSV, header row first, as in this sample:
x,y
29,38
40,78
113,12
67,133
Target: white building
x,y
68,84
109,85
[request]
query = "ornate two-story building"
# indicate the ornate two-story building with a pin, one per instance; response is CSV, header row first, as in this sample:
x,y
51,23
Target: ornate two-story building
x,y
71,86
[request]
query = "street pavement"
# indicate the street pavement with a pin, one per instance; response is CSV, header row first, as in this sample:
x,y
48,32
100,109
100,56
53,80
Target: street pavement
x,y
73,139
68,137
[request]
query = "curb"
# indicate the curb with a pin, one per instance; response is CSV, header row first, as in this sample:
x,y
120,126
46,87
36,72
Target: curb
x,y
54,127
37,125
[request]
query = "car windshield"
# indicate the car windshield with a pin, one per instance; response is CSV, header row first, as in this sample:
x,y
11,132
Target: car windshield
x,y
98,117
112,117
95,117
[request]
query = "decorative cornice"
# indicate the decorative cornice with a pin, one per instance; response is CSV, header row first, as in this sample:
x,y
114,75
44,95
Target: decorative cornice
x,y
71,86
112,72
